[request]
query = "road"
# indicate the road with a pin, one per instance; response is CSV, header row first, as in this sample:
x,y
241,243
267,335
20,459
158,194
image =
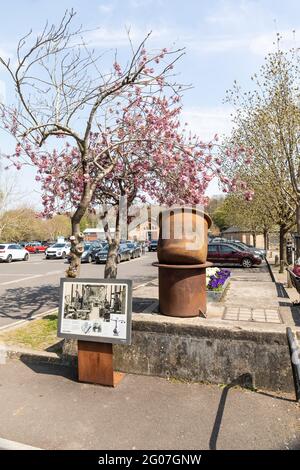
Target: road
x,y
30,288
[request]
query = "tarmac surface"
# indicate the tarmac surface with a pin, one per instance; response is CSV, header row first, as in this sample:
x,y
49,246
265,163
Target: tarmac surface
x,y
45,407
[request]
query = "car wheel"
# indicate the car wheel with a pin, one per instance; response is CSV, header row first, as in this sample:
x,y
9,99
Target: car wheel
x,y
247,263
26,257
118,259
90,259
9,259
63,255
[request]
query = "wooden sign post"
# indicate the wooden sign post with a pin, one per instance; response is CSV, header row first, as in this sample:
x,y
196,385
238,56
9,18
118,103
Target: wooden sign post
x,y
97,313
95,364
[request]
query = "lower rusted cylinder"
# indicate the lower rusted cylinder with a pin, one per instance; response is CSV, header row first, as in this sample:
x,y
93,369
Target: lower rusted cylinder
x,y
182,289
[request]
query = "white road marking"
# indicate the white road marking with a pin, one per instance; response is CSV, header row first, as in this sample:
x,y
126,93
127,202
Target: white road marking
x,y
5,444
145,283
33,317
28,278
50,273
10,274
20,280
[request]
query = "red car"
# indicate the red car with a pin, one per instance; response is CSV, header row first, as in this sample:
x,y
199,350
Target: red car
x,y
223,253
36,247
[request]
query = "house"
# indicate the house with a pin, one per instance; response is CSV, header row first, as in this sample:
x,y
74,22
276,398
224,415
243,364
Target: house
x,y
93,234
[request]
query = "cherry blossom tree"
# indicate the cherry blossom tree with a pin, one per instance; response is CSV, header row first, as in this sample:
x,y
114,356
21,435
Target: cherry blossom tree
x,y
62,91
158,162
116,129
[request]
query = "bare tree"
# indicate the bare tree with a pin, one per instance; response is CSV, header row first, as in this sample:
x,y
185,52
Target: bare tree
x,y
268,121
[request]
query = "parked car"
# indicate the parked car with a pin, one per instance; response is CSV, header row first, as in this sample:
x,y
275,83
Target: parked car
x,y
251,247
123,254
88,255
36,247
225,253
153,245
12,251
58,250
218,239
135,249
242,246
96,247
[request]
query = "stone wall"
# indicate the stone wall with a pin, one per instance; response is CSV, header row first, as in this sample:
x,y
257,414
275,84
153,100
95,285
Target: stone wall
x,y
204,350
207,353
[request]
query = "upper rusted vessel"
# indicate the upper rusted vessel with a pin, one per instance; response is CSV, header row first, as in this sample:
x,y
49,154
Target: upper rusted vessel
x,y
183,236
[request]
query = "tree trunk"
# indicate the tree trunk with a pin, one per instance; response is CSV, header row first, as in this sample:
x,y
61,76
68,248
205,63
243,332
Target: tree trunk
x,y
77,237
266,239
282,246
298,231
111,266
77,248
254,238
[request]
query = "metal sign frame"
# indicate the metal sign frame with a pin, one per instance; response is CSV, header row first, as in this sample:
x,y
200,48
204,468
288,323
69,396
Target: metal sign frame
x,y
63,332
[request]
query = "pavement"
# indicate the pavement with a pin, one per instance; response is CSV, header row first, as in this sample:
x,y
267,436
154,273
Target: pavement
x,y
45,407
31,288
252,300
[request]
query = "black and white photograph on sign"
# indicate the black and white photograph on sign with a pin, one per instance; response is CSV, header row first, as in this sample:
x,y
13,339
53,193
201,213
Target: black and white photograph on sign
x,y
95,311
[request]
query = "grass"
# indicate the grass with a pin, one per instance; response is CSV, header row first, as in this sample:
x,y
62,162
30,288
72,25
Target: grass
x,y
38,334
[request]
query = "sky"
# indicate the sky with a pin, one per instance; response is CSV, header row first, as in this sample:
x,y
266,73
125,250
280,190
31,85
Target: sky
x,y
224,40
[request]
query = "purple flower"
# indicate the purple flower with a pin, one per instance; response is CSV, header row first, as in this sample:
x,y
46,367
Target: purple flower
x,y
217,280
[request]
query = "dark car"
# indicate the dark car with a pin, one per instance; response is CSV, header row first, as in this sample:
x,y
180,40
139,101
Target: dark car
x,y
252,248
225,253
87,255
123,254
95,247
242,246
153,245
135,249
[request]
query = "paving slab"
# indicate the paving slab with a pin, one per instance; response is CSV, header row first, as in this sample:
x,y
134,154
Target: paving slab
x,y
44,406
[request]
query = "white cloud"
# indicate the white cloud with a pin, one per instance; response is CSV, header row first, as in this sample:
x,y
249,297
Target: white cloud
x,y
265,43
215,44
106,8
259,44
208,121
140,3
110,38
163,36
235,14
